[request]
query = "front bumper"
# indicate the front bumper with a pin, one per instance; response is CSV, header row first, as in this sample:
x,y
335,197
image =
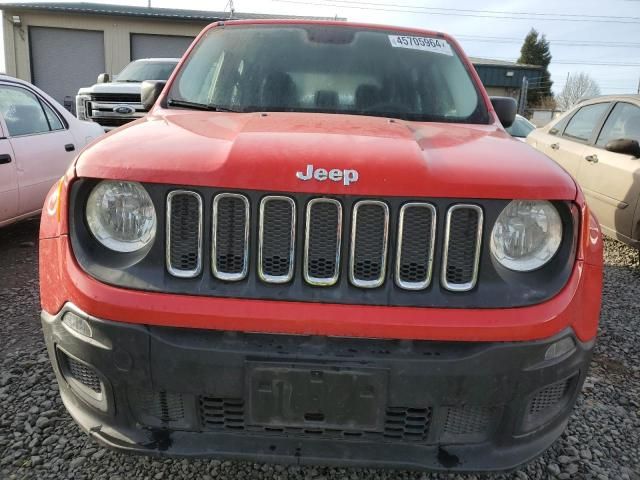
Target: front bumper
x,y
315,400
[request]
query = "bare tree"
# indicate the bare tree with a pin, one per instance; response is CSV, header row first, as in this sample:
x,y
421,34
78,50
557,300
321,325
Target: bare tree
x,y
578,86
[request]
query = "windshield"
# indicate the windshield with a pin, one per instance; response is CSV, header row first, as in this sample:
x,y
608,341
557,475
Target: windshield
x,y
328,69
140,71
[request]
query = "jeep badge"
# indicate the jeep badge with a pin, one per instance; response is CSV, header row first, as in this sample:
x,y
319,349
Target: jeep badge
x,y
347,176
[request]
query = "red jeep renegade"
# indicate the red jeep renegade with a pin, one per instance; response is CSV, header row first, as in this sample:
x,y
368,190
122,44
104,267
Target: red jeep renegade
x,y
321,246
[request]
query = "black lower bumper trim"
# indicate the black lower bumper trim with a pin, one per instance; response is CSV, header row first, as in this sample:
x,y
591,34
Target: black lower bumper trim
x,y
316,400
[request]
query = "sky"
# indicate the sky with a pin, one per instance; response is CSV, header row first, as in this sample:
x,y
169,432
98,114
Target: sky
x,y
601,38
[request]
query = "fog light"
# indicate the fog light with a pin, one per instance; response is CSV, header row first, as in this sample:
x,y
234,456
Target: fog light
x,y
559,348
77,324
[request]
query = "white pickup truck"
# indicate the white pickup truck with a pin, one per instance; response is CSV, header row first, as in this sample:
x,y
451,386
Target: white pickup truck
x,y
114,103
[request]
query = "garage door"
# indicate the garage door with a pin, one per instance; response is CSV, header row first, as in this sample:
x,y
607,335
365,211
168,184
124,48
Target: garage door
x,y
63,60
158,46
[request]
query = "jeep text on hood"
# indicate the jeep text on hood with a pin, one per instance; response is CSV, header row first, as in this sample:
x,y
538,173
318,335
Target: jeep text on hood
x,y
321,246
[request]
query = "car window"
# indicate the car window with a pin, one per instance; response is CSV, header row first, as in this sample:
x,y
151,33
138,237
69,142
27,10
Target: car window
x,y
520,128
624,122
559,126
54,120
22,111
142,70
582,123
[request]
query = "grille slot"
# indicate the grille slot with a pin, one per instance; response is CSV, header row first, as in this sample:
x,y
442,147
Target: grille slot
x,y
230,246
116,97
408,424
549,397
222,413
323,234
369,239
276,240
463,236
84,374
158,408
184,233
113,121
416,243
467,420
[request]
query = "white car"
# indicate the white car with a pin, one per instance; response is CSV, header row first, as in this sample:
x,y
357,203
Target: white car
x,y
38,140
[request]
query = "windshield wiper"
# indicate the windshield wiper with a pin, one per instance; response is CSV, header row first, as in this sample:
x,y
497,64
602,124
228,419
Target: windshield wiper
x,y
200,106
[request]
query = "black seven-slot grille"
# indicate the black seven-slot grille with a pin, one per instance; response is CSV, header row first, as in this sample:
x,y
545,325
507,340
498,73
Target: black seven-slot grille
x,y
368,246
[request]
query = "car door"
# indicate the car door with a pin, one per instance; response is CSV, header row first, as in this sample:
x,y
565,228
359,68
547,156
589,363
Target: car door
x,y
570,144
42,144
8,180
611,181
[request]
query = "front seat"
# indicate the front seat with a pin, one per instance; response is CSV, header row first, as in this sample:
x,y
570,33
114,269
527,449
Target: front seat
x,y
327,99
278,91
366,96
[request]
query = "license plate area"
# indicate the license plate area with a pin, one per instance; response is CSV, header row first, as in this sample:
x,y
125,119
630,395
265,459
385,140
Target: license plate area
x,y
316,396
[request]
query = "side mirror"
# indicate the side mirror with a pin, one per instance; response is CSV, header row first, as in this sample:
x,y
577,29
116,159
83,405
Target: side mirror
x,y
150,91
625,146
505,108
104,78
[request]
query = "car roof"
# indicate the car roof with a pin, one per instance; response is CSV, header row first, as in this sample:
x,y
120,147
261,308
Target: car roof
x,y
4,76
335,23
151,60
610,98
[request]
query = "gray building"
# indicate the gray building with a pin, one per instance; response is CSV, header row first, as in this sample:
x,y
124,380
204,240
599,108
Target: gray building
x,y
505,78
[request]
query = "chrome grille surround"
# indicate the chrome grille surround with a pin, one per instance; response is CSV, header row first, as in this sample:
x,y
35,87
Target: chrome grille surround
x,y
407,285
446,253
177,272
309,225
100,109
265,276
223,275
368,283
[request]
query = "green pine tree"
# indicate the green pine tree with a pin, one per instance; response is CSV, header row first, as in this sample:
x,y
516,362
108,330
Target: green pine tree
x,y
535,51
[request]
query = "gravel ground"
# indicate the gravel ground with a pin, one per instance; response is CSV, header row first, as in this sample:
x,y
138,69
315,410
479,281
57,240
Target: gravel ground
x,y
39,440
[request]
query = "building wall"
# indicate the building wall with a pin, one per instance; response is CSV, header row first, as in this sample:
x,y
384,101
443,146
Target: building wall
x,y
117,33
503,91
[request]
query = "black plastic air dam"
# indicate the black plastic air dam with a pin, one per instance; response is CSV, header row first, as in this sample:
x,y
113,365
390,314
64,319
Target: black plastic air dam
x,y
462,406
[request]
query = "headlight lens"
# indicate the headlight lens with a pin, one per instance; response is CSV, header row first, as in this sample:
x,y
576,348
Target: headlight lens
x,y
526,235
82,102
121,215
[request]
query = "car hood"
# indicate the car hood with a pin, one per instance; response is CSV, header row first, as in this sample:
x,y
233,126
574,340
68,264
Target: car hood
x,y
112,87
257,151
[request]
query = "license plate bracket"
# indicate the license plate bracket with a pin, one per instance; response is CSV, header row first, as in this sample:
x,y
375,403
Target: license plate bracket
x,y
316,396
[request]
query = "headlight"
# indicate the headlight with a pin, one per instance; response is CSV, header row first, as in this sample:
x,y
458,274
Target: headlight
x,y
526,235
82,106
121,216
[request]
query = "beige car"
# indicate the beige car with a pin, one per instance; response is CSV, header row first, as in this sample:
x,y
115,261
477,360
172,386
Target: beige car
x,y
598,143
